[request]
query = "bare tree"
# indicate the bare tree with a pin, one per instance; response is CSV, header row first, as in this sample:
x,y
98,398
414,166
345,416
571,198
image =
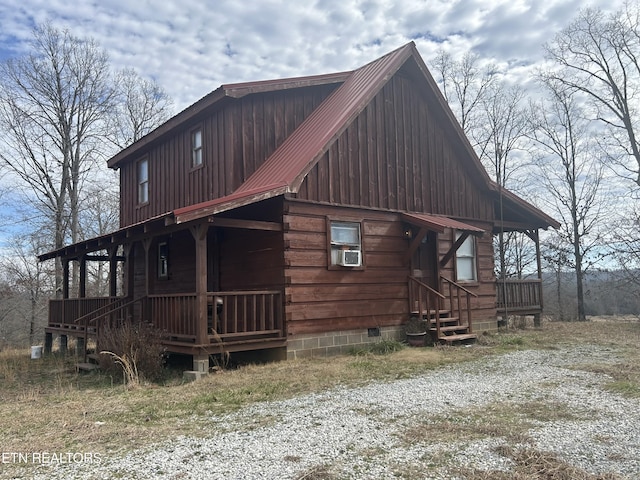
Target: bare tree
x,y
571,174
464,84
30,287
53,105
62,112
499,141
598,55
142,105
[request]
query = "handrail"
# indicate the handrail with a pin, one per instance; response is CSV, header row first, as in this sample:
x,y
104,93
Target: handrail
x,y
458,306
424,304
435,292
110,311
455,284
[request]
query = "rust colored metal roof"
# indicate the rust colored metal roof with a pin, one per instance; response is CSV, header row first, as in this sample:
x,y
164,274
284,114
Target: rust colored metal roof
x,y
285,169
438,223
235,200
291,162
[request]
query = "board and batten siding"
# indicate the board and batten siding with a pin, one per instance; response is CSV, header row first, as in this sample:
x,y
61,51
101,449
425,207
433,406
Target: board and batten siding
x,y
237,138
396,155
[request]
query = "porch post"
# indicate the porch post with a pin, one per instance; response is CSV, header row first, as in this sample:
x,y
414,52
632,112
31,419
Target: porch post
x,y
65,278
199,232
113,271
536,236
147,268
83,277
130,272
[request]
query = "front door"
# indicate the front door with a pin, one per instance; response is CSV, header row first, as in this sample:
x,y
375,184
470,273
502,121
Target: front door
x,y
424,263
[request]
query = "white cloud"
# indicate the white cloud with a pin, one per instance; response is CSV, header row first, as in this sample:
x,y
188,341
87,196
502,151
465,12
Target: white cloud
x,y
191,47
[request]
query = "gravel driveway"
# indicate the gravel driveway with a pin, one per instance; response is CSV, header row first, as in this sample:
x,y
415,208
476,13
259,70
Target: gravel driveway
x,y
394,429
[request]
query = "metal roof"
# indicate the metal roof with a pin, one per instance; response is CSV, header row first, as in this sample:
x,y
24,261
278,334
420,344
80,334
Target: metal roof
x,y
286,168
438,223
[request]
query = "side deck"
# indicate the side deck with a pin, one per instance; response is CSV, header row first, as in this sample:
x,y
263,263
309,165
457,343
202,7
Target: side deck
x,y
519,297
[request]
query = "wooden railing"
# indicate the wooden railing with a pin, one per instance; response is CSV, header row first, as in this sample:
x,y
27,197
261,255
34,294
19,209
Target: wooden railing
x,y
519,296
229,314
459,301
429,303
66,312
425,301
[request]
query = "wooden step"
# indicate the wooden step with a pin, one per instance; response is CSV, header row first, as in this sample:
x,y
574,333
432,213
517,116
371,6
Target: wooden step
x,y
93,357
448,321
86,367
458,337
450,328
431,313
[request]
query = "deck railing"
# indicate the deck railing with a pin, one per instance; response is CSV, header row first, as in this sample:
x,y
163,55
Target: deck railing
x,y
519,296
229,314
66,312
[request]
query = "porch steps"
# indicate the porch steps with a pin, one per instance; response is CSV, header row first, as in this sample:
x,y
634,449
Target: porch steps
x,y
90,365
452,331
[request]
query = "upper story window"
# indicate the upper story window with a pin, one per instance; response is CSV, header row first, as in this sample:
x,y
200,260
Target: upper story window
x,y
466,260
346,243
196,148
143,181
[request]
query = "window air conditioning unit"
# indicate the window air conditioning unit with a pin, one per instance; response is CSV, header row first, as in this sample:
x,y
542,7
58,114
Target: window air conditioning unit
x,y
349,258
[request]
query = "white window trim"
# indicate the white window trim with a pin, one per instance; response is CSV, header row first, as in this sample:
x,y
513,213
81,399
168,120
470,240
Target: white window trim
x,y
463,257
196,148
143,181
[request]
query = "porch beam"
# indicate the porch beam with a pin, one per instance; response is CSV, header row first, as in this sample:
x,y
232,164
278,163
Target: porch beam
x,y
507,226
454,248
245,224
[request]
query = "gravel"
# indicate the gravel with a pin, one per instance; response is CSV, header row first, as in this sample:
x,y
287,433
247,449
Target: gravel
x,y
366,432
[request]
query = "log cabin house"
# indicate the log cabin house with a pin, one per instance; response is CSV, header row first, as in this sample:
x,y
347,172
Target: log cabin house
x,y
304,216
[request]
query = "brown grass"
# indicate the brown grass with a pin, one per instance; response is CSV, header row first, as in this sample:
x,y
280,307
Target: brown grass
x,y
46,406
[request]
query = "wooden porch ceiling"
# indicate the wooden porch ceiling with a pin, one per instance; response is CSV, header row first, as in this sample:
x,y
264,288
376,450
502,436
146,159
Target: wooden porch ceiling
x,y
161,225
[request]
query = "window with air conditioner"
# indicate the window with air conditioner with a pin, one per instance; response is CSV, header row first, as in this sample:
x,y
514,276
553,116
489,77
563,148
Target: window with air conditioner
x,y
346,244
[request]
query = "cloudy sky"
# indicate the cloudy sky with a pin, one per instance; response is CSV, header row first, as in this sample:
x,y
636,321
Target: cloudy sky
x,y
190,47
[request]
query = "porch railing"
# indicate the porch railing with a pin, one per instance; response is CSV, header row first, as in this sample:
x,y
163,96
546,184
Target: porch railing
x,y
66,312
229,314
519,296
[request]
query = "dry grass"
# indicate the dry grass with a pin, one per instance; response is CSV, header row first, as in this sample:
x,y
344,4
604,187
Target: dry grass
x,y
46,406
532,464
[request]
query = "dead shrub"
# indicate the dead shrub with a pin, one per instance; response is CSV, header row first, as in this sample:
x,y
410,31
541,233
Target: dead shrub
x,y
135,349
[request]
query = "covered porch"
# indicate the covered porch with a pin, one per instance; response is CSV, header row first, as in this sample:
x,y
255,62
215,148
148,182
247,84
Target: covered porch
x,y
209,286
